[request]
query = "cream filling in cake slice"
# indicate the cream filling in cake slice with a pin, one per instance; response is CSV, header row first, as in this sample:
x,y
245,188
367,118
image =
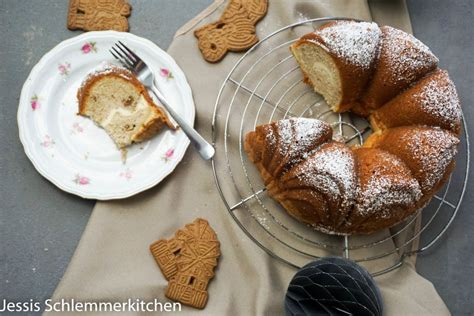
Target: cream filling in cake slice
x,y
123,122
320,69
122,107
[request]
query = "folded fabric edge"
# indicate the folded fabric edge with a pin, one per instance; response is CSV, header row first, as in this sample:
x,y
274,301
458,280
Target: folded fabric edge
x,y
186,27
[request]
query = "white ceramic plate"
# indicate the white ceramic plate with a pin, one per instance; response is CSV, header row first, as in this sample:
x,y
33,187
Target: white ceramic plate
x,y
74,153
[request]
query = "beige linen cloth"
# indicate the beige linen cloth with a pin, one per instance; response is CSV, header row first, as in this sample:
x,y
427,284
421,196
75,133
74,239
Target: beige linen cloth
x,y
112,261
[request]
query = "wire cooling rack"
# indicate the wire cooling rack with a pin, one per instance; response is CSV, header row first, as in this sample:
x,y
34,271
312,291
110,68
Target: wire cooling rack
x,y
266,85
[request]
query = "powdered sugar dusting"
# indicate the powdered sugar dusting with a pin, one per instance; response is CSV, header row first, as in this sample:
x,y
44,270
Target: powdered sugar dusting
x,y
355,42
440,99
405,55
270,137
296,136
434,148
305,132
382,191
331,170
106,68
285,134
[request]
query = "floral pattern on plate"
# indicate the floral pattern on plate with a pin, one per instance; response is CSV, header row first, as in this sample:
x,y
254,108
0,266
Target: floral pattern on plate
x,y
81,180
48,142
89,47
64,69
86,161
166,73
127,174
168,155
77,128
34,102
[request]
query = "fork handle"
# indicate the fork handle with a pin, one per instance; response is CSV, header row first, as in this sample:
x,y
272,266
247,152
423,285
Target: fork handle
x,y
203,147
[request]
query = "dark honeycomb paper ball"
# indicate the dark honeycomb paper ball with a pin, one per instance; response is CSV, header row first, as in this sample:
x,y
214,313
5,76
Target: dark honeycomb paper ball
x,y
333,286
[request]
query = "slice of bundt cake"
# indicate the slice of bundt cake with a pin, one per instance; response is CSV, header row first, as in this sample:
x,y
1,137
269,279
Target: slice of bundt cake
x,y
432,101
278,146
287,153
338,60
116,101
403,59
427,151
387,192
328,174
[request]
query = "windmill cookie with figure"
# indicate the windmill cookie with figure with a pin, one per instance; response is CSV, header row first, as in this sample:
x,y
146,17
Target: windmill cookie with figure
x,y
98,15
234,31
166,251
187,261
195,264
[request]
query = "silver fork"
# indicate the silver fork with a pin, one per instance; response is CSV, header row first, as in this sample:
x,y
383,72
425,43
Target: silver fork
x,y
130,60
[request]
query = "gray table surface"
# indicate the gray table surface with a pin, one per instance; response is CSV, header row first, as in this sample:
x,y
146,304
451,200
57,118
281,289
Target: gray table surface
x,y
40,225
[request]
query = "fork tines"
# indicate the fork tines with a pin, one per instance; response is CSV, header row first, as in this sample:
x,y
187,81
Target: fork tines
x,y
125,55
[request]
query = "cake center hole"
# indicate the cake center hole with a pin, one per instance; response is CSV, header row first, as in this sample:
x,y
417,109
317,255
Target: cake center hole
x,y
348,133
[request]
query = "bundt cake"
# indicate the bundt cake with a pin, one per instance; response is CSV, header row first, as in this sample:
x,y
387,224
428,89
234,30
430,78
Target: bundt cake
x,y
432,101
328,175
403,59
387,191
427,151
116,101
390,77
282,144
